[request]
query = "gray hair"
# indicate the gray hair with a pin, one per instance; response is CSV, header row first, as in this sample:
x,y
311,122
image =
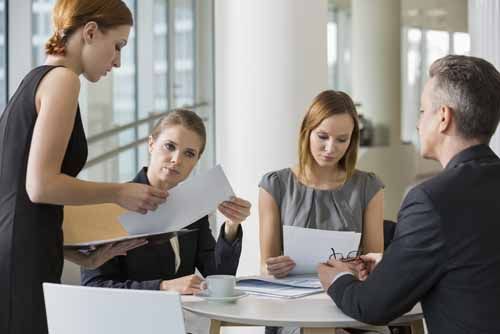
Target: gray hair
x,y
470,86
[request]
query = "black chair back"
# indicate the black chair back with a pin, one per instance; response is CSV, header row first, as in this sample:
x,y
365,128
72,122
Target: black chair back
x,y
389,228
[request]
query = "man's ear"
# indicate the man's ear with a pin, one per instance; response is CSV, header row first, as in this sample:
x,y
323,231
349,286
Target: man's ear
x,y
89,31
446,115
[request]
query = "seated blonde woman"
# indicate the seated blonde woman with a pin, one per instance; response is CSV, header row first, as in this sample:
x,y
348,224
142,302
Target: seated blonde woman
x,y
325,190
175,146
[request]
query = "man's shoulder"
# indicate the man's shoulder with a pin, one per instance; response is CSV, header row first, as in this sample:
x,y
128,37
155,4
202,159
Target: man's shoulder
x,y
461,183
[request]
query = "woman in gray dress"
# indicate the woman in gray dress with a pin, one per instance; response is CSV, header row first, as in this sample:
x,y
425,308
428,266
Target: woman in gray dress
x,y
324,191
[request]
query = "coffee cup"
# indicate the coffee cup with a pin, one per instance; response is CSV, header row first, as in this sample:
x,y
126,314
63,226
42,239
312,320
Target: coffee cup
x,y
220,285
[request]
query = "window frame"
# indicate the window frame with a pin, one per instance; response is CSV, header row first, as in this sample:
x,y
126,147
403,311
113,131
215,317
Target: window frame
x,y
6,55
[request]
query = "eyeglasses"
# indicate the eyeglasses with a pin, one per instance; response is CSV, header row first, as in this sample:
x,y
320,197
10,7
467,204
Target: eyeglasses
x,y
351,256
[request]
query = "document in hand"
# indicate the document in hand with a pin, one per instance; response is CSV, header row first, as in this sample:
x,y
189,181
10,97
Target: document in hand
x,y
186,203
319,246
289,287
151,238
86,227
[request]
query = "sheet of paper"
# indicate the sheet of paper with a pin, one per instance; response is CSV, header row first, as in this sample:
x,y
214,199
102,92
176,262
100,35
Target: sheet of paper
x,y
298,281
308,247
186,203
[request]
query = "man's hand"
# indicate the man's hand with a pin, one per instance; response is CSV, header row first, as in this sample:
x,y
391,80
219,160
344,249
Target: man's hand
x,y
328,271
370,260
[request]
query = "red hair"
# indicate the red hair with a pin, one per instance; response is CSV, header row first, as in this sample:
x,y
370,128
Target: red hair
x,y
69,15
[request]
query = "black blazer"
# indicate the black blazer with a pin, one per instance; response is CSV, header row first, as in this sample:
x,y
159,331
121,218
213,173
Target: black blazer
x,y
145,267
445,253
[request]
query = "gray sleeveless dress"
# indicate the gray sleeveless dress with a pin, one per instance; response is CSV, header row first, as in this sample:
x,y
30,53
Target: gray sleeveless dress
x,y
340,209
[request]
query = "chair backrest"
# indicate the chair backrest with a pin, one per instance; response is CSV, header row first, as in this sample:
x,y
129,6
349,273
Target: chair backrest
x,y
389,229
84,310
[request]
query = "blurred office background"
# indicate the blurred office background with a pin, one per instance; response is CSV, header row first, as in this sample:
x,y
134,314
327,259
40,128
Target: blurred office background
x,y
250,68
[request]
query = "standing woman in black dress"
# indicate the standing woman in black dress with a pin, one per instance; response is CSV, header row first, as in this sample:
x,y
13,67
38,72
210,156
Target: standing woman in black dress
x,y
43,148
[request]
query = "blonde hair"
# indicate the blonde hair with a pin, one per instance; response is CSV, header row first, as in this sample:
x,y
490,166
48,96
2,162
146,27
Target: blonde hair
x,y
69,15
188,119
324,105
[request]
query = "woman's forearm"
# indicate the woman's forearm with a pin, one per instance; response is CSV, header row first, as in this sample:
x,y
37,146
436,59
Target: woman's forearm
x,y
62,189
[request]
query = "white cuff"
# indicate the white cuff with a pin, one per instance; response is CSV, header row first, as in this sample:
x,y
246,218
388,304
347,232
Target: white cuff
x,y
343,273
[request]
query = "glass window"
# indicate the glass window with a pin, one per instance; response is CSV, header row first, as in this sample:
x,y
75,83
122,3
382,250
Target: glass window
x,y
461,43
339,47
3,55
184,69
124,102
332,45
437,45
113,101
160,72
41,26
160,50
420,48
412,81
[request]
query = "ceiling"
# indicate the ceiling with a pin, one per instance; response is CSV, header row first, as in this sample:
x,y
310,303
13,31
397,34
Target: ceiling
x,y
450,15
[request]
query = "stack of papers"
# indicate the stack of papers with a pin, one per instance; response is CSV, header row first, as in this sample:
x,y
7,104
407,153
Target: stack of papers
x,y
319,246
290,287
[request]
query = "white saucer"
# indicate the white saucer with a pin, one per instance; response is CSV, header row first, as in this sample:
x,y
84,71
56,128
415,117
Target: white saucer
x,y
237,295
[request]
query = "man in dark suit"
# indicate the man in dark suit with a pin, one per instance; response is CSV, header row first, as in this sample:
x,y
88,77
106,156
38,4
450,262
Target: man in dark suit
x,y
445,252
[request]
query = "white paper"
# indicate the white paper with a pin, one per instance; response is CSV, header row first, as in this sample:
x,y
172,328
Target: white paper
x,y
308,247
186,203
289,287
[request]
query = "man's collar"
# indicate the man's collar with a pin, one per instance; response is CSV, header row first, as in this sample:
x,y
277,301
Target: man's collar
x,y
476,152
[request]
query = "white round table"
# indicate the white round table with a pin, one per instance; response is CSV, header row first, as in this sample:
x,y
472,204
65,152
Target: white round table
x,y
316,313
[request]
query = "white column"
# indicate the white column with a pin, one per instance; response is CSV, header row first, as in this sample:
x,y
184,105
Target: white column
x,y
376,82
270,61
484,30
376,65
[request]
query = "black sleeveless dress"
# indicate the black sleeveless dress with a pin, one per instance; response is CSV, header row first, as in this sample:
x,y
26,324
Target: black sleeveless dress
x,y
31,239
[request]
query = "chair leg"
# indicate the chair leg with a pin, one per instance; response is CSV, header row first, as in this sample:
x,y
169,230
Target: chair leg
x,y
215,326
318,331
417,327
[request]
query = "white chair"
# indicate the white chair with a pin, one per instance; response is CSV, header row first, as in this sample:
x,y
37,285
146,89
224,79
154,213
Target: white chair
x,y
85,310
